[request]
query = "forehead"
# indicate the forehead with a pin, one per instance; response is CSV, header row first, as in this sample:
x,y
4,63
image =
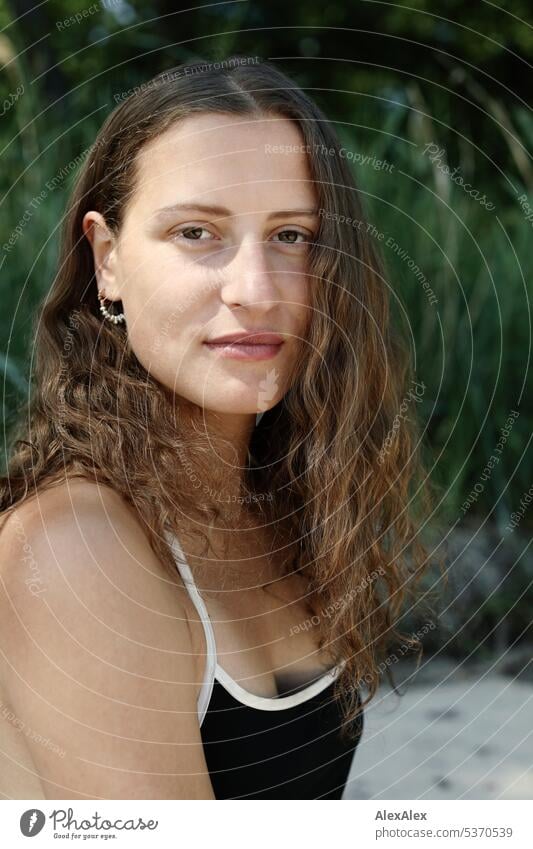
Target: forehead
x,y
250,162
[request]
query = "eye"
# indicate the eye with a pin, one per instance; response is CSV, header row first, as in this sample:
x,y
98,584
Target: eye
x,y
293,234
192,234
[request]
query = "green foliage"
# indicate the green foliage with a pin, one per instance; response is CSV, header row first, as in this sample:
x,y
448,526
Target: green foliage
x,y
392,83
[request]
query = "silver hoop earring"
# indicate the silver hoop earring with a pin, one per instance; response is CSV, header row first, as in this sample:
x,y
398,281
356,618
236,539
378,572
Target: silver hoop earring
x,y
116,318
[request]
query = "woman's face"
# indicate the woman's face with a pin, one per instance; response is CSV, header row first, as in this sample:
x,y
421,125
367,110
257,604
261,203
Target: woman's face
x,y
215,241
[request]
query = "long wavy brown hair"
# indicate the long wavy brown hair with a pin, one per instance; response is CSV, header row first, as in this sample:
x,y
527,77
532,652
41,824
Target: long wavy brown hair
x,y
342,475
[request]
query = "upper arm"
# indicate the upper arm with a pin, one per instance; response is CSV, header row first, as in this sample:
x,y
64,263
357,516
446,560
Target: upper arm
x,y
97,659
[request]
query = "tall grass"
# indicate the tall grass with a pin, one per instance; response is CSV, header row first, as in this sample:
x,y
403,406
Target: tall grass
x,y
472,347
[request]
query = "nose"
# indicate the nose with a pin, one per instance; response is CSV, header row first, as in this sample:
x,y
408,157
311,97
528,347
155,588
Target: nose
x,y
249,279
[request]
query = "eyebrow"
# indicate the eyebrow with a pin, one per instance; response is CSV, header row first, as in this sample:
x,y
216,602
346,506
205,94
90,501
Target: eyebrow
x,y
213,209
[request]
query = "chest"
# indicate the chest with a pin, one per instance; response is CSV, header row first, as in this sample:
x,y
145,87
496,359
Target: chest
x,y
266,639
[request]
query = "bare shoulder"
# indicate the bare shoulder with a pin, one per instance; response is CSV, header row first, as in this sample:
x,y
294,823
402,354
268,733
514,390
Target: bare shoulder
x,y
97,657
63,512
74,532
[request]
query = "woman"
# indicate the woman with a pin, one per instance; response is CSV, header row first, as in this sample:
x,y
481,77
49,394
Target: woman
x,y
206,542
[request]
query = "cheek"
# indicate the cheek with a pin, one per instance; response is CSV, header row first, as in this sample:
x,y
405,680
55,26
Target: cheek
x,y
150,285
157,318
149,317
301,306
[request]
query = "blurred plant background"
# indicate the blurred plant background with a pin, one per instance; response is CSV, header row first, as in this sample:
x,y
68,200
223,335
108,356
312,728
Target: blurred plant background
x,y
395,79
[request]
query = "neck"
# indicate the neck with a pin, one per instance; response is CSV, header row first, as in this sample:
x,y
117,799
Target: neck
x,y
216,453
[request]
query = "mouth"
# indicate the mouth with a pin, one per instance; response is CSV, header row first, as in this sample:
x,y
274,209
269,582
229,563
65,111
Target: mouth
x,y
245,350
258,345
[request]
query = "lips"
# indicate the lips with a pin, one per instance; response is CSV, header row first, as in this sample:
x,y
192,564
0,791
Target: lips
x,y
256,338
260,345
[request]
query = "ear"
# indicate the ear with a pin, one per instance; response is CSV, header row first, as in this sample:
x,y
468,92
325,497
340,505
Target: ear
x,y
103,244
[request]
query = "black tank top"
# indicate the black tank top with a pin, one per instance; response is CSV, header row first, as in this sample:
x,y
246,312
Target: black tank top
x,y
287,747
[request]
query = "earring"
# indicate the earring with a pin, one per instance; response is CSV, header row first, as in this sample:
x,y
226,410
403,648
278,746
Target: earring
x,y
258,418
116,318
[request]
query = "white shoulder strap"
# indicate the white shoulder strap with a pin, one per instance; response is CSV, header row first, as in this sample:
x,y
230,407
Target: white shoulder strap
x,y
197,600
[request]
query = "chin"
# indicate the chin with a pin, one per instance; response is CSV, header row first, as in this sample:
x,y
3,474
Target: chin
x,y
224,409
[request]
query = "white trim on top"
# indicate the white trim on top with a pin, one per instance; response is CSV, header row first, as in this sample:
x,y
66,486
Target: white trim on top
x,y
214,670
204,697
279,702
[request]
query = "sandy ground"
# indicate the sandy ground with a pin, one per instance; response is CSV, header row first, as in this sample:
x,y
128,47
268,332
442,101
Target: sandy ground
x,y
457,739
